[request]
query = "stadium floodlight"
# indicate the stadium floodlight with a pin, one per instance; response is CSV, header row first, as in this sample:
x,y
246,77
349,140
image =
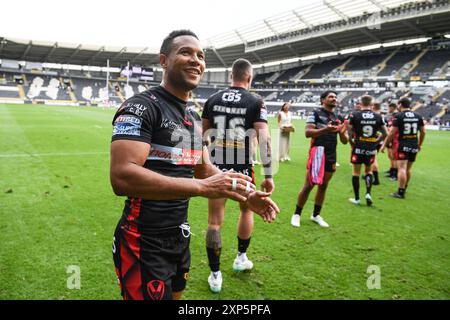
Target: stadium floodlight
x,y
447,36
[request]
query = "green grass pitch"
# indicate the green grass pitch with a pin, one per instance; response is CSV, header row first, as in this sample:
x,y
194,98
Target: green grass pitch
x,y
57,210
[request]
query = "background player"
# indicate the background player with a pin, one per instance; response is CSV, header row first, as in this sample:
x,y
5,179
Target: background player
x,y
409,129
232,114
322,126
392,111
375,168
363,131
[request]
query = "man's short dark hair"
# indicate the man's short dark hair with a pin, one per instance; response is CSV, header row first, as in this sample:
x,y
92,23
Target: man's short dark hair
x,y
240,69
166,46
325,94
366,100
392,105
405,102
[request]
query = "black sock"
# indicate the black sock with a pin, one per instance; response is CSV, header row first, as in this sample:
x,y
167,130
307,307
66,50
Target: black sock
x,y
369,180
317,209
214,258
243,245
355,182
375,177
391,172
401,191
298,210
395,173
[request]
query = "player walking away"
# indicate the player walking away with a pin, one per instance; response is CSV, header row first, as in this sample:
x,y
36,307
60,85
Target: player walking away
x,y
392,111
409,129
232,117
376,179
363,131
322,126
156,148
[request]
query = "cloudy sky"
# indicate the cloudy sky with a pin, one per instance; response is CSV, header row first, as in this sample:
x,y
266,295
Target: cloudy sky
x,y
132,23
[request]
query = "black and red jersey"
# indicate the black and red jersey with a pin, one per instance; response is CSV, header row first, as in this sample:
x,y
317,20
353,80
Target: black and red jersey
x,y
232,113
173,131
320,117
408,124
388,118
366,127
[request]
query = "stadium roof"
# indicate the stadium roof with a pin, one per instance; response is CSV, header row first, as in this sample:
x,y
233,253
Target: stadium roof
x,y
330,25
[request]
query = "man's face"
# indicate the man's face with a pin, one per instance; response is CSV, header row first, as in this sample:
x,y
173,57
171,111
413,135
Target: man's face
x,y
185,63
330,100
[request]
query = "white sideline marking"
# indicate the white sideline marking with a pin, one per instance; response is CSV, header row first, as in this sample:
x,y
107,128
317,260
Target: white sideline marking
x,y
55,154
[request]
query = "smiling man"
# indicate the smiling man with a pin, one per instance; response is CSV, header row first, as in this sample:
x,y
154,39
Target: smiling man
x,y
156,149
322,126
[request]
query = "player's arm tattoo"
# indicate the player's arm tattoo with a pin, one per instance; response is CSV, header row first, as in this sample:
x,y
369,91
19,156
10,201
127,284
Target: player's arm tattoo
x,y
265,147
266,157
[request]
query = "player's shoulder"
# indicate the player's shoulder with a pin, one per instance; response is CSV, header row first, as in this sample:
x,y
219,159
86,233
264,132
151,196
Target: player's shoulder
x,y
313,115
139,105
253,95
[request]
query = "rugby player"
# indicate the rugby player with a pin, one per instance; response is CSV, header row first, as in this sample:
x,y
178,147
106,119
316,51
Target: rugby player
x,y
407,136
375,168
392,110
323,127
363,131
231,118
156,150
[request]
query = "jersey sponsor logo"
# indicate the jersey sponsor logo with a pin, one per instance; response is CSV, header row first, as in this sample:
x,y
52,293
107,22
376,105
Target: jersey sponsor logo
x,y
127,125
410,149
231,96
311,119
368,139
136,108
170,124
155,289
263,113
177,156
367,115
365,152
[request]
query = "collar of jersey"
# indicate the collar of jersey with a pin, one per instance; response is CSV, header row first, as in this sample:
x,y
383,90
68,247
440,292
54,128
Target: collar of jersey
x,y
171,96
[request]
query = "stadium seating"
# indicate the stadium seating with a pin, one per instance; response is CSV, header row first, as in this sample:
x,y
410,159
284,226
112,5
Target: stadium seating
x,y
432,61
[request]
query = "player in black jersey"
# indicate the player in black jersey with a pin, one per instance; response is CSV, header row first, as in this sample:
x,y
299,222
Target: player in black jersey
x,y
376,180
322,126
392,111
407,136
156,149
231,118
363,131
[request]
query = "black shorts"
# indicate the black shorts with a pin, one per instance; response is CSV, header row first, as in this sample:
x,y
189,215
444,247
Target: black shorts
x,y
403,152
362,159
245,169
151,265
410,156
